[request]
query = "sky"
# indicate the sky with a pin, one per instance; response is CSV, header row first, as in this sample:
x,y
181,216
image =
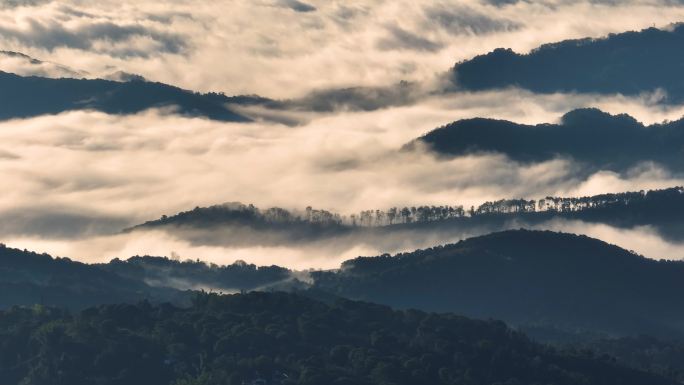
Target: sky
x,y
78,178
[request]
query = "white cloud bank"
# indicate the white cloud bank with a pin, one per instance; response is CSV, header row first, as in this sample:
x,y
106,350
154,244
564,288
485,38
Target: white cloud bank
x,y
77,177
74,179
286,48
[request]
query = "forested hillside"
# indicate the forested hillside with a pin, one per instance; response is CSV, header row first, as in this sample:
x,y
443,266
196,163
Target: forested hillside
x,y
594,139
28,278
239,224
554,280
198,275
535,280
628,63
23,97
263,338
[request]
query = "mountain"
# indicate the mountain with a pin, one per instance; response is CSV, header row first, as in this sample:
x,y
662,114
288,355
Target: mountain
x,y
591,137
629,63
278,338
543,282
28,278
545,279
27,96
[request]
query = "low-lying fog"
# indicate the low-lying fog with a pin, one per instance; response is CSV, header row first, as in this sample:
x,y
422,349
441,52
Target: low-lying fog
x,y
74,180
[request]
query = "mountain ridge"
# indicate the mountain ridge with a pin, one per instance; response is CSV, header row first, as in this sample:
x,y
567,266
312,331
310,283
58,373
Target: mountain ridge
x,y
629,63
28,96
593,138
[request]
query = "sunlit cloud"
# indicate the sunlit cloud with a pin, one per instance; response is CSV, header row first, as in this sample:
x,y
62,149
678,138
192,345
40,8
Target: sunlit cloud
x,y
79,178
307,45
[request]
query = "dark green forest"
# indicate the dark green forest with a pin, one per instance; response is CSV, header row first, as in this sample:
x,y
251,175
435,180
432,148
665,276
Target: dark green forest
x,y
628,63
242,224
531,278
543,281
29,96
594,139
28,278
278,338
496,301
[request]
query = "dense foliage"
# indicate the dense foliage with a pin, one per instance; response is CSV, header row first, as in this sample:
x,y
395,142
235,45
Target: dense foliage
x,y
665,357
277,338
240,214
531,279
594,139
629,63
198,275
28,278
658,203
31,96
563,281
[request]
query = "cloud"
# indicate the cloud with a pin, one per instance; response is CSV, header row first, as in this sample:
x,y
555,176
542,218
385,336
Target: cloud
x,y
297,6
465,20
22,3
24,65
117,40
358,98
8,155
78,176
357,43
325,254
54,222
92,171
399,38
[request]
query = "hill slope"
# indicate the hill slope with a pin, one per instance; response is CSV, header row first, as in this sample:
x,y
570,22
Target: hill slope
x,y
28,96
237,224
281,339
197,275
546,279
589,136
28,278
532,279
628,63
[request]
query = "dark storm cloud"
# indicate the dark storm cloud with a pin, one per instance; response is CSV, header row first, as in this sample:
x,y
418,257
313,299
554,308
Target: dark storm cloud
x,y
51,35
297,6
462,20
400,39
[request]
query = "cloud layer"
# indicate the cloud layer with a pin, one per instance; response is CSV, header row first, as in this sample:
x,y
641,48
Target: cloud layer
x,y
286,48
79,177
